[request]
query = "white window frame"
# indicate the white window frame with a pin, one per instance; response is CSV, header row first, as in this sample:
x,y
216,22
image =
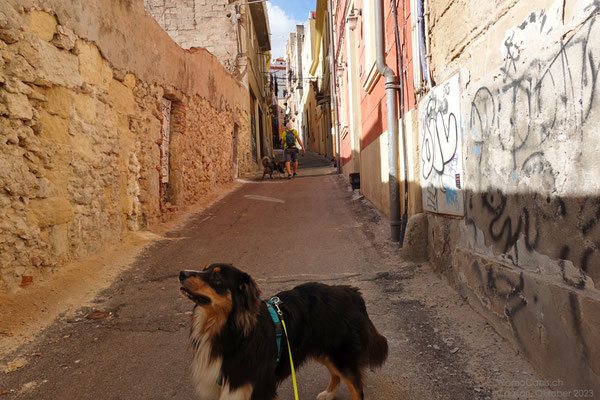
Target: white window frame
x,y
371,73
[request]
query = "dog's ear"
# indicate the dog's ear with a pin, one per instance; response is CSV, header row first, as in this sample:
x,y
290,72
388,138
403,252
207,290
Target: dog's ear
x,y
249,299
249,291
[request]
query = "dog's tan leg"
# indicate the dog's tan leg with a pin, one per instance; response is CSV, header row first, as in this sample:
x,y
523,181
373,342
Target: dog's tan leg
x,y
329,393
355,393
334,381
354,385
241,393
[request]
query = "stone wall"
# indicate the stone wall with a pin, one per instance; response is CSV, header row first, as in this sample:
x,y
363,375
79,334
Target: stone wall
x,y
80,128
199,23
527,252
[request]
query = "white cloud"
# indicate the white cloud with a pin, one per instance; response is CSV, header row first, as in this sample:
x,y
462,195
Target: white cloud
x,y
281,24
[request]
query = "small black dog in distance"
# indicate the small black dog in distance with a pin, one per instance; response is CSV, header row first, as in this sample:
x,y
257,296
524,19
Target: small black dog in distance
x,y
270,165
234,337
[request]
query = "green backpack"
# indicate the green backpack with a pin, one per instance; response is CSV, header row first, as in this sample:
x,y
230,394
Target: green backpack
x,y
290,139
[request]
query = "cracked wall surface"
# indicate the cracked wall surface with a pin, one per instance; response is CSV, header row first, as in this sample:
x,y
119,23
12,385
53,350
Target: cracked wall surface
x,y
199,23
80,129
527,253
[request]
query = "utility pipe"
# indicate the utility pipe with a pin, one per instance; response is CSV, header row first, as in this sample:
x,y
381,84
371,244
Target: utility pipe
x,y
238,17
391,86
426,40
422,43
333,89
403,132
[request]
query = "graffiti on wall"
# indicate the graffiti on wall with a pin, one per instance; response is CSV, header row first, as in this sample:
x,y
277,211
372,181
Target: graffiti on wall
x,y
515,297
531,139
440,149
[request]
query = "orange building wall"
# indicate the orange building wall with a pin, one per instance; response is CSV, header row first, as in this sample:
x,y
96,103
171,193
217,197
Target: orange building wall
x,y
373,105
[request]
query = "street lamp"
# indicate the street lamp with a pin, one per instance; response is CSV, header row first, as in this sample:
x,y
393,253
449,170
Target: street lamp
x,y
352,18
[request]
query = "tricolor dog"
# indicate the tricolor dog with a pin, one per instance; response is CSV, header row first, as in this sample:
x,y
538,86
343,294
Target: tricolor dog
x,y
234,335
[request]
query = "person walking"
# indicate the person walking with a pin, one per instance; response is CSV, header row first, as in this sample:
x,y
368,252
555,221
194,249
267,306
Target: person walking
x,y
289,137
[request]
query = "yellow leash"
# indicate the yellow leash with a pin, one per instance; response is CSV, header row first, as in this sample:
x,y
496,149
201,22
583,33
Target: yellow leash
x,y
275,302
291,361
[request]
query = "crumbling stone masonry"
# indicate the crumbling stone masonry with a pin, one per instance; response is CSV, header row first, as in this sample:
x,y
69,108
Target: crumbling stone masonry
x,y
527,252
81,89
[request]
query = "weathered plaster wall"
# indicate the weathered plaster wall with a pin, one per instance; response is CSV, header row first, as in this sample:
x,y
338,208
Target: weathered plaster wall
x,y
373,113
80,93
199,23
213,26
527,253
374,174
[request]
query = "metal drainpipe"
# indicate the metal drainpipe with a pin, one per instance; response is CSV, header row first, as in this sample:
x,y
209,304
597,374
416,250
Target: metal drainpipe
x,y
238,16
333,89
425,36
403,131
422,42
391,85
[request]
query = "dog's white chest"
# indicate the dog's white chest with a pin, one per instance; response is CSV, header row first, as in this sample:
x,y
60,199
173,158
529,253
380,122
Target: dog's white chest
x,y
206,370
206,373
206,379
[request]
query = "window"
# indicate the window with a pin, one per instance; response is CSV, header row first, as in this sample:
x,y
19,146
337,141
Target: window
x,y
368,29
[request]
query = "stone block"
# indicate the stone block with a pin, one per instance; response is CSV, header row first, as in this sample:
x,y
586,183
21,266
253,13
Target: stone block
x,y
64,38
18,105
83,147
85,106
13,85
26,49
129,81
119,74
18,67
121,97
59,101
44,188
10,36
36,95
51,211
83,196
58,240
59,67
58,178
3,20
93,68
54,128
589,332
415,240
42,24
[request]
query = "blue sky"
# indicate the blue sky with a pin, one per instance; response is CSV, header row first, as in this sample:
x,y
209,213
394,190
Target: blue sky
x,y
284,15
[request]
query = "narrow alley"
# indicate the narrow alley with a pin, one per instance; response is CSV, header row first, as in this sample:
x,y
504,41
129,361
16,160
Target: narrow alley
x,y
448,169
130,342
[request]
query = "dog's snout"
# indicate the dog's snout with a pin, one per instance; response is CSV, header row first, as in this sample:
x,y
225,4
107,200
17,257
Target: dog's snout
x,y
186,273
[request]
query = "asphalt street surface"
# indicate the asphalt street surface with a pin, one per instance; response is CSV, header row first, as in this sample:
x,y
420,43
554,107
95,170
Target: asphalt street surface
x,y
132,344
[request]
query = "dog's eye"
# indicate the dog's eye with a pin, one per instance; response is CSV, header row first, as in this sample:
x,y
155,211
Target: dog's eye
x,y
215,277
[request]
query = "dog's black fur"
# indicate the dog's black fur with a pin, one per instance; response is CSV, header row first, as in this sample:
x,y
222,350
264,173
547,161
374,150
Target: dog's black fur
x,y
329,324
270,165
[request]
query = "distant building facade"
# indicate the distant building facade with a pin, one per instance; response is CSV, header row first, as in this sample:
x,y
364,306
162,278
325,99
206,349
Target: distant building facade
x,y
238,35
295,79
277,75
